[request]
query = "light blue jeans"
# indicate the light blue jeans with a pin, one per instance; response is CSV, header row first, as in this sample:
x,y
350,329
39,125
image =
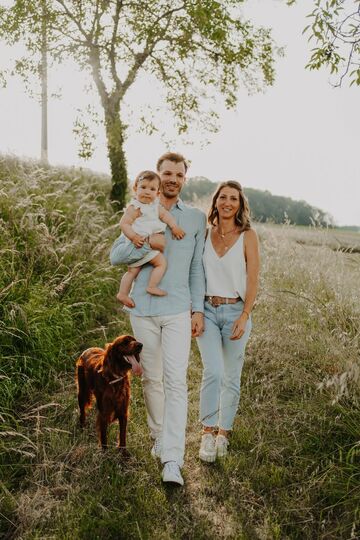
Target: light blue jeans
x,y
222,360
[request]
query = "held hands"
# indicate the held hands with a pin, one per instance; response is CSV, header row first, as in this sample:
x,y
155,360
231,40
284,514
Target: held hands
x,y
178,232
138,241
239,327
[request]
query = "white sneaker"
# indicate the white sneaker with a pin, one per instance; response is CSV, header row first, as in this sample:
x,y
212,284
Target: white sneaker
x,y
156,449
207,450
221,446
171,473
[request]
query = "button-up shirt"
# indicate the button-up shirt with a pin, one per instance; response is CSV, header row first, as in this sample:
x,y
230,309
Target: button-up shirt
x,y
184,280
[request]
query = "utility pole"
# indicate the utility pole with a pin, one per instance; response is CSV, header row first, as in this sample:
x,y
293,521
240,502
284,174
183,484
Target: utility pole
x,y
44,87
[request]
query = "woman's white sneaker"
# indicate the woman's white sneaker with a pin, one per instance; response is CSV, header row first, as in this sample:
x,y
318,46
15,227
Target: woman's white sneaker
x,y
207,450
221,446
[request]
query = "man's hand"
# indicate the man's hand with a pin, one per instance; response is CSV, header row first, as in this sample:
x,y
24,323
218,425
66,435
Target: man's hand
x,y
157,241
197,324
138,241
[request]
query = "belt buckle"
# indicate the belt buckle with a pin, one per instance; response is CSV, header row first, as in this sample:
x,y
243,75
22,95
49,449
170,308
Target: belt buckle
x,y
215,303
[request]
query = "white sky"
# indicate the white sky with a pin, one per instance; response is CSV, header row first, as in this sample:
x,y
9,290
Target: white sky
x,y
298,139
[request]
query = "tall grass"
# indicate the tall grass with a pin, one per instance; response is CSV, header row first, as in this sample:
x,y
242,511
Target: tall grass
x,y
55,281
302,386
293,469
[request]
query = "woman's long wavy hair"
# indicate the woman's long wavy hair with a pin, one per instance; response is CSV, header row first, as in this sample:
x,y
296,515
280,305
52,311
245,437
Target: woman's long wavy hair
x,y
242,217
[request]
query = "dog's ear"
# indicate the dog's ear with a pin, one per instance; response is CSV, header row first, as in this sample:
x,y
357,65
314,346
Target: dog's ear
x,y
115,351
114,360
106,371
107,368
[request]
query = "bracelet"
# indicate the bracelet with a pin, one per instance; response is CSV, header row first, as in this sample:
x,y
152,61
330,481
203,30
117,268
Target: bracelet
x,y
247,313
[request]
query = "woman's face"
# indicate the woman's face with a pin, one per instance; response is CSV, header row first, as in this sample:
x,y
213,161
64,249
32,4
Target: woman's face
x,y
228,203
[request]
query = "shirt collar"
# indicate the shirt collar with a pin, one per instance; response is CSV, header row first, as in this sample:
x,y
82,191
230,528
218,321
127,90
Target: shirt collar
x,y
180,204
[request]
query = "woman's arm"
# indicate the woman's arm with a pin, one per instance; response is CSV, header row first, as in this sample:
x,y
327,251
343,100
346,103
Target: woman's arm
x,y
128,218
252,258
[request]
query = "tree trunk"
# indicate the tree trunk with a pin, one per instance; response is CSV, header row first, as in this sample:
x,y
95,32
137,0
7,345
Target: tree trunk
x,y
115,131
44,89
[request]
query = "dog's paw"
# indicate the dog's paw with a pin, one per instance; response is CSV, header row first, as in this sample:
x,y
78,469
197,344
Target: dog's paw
x,y
124,453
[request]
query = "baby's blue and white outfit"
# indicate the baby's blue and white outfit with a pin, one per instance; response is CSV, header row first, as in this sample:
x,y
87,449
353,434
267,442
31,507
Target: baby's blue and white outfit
x,y
146,224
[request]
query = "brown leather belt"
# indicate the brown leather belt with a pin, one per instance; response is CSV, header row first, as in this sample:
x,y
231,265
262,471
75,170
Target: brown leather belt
x,y
217,301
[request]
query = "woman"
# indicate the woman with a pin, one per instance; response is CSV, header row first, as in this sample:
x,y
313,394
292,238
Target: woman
x,y
231,263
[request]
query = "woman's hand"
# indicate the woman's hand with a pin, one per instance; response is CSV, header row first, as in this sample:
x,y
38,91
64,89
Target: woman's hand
x,y
239,327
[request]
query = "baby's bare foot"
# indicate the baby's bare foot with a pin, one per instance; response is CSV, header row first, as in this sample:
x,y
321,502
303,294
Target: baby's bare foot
x,y
156,291
125,299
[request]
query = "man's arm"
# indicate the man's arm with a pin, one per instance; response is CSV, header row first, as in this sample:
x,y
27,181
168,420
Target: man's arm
x,y
197,280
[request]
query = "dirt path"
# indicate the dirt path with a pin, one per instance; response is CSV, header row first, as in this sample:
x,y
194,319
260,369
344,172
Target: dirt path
x,y
66,471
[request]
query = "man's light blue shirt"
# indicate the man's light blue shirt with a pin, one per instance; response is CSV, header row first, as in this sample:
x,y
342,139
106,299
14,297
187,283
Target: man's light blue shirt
x,y
184,280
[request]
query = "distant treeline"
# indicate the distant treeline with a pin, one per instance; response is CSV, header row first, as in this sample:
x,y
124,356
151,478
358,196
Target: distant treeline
x,y
350,228
264,206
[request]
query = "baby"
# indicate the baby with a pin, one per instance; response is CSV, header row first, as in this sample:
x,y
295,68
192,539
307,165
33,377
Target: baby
x,y
143,217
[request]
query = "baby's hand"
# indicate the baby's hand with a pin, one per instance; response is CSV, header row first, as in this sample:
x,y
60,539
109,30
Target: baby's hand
x,y
178,232
138,241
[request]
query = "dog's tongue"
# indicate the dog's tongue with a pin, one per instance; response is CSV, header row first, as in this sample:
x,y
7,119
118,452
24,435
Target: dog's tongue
x,y
136,368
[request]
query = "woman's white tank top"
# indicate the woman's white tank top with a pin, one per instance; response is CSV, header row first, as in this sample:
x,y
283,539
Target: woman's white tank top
x,y
226,275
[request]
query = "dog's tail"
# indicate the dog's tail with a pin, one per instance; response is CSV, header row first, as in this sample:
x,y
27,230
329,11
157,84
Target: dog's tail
x,y
84,391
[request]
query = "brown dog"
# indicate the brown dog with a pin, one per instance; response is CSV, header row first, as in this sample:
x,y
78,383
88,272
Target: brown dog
x,y
105,374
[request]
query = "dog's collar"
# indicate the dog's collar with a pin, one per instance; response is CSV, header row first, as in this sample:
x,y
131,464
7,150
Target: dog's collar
x,y
117,380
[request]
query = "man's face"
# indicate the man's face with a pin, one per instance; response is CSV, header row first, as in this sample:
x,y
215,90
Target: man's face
x,y
172,176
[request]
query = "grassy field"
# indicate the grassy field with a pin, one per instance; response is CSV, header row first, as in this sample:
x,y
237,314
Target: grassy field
x,y
293,470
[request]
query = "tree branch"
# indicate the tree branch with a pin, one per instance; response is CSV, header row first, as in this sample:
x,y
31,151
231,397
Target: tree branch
x,y
95,20
168,13
94,59
74,19
140,58
112,55
347,67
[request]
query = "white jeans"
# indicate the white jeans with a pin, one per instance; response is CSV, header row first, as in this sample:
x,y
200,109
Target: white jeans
x,y
164,359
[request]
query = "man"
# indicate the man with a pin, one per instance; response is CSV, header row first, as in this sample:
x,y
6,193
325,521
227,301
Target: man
x,y
165,324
